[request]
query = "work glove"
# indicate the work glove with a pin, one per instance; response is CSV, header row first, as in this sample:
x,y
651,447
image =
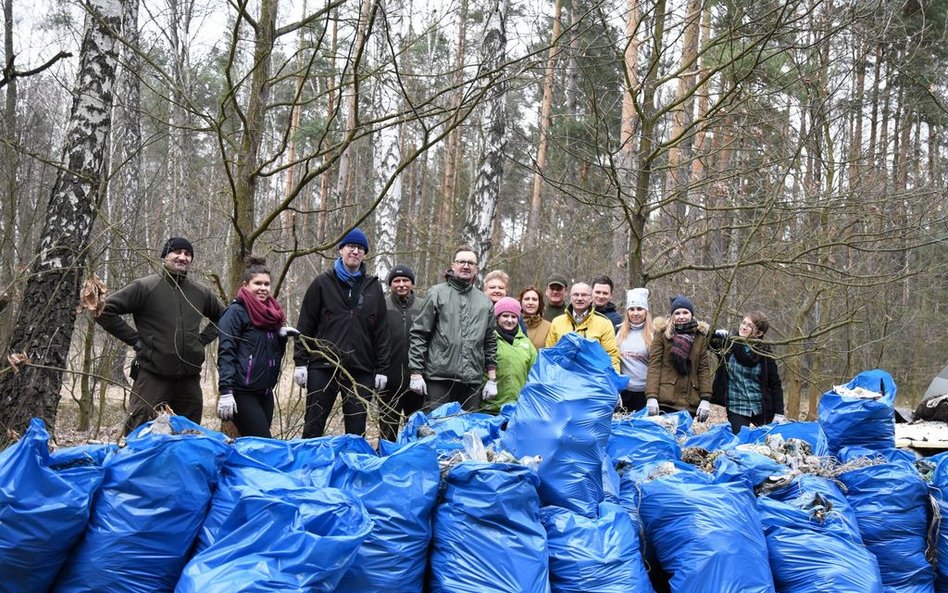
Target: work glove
x,y
652,405
704,411
380,381
417,385
490,390
226,406
779,419
289,332
299,376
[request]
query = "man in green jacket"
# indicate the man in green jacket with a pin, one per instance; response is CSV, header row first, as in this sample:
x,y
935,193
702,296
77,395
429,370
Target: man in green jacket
x,y
168,309
452,340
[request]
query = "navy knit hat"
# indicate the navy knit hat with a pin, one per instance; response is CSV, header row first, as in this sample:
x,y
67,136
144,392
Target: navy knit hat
x,y
174,244
680,301
400,271
355,237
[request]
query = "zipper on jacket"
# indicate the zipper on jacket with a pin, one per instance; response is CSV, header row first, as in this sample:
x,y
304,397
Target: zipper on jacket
x,y
249,366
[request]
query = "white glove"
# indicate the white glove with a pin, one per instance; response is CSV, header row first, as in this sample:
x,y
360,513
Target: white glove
x,y
418,385
779,419
226,406
299,376
289,332
704,411
490,390
380,381
652,405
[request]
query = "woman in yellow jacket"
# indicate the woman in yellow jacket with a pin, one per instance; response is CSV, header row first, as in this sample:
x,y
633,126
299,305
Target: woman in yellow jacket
x,y
515,354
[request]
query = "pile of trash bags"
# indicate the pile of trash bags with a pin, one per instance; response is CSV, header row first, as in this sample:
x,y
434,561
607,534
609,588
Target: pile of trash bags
x,y
554,494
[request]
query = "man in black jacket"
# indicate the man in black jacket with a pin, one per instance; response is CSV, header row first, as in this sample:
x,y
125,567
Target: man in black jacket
x,y
397,399
168,309
344,343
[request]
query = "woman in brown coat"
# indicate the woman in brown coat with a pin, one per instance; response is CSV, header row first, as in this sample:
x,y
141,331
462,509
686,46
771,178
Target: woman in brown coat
x,y
680,373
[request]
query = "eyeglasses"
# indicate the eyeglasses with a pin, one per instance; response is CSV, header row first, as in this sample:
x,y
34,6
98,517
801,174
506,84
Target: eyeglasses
x,y
465,262
750,325
352,247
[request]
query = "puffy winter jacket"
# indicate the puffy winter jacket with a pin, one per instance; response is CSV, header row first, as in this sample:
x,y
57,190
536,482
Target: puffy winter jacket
x,y
248,358
682,392
168,310
452,338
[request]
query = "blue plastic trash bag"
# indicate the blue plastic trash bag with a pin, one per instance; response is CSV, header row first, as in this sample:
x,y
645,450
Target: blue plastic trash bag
x,y
601,555
637,441
746,467
810,432
564,415
891,505
707,536
279,540
449,423
853,421
146,514
806,491
939,491
811,552
894,455
399,493
241,474
44,507
487,532
718,437
309,460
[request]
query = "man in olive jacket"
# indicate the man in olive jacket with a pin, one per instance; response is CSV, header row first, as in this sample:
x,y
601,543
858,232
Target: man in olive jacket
x,y
168,308
452,340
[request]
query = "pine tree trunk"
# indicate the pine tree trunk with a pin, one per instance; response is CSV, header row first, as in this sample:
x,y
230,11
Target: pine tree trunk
x,y
44,328
546,108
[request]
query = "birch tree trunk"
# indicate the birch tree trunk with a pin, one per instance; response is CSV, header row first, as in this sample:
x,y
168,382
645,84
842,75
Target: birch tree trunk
x,y
480,220
43,331
386,148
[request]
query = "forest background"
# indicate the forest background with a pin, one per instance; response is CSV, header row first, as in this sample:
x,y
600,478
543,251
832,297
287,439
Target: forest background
x,y
788,156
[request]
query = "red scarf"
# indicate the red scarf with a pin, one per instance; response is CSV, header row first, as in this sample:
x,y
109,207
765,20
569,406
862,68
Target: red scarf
x,y
264,315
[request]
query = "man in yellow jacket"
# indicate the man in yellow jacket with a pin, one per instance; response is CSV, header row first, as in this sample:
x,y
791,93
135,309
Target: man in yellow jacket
x,y
580,317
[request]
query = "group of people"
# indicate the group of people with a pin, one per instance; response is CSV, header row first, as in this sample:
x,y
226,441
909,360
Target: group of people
x,y
456,344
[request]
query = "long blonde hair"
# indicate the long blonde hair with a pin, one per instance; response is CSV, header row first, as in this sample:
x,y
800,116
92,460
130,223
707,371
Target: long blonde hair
x,y
626,327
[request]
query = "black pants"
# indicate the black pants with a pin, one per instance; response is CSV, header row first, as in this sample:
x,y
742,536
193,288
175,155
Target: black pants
x,y
182,394
254,412
442,392
392,406
632,401
322,385
739,420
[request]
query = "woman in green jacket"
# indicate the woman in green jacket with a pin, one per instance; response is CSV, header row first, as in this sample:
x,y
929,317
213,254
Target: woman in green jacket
x,y
515,354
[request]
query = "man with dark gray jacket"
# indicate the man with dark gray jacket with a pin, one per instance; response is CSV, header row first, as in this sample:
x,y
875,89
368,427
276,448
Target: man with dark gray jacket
x,y
397,400
452,341
168,309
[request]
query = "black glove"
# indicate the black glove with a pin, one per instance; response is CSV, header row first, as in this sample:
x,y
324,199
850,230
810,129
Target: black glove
x,y
719,339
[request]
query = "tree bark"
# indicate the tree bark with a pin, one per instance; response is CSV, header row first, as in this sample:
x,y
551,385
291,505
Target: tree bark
x,y
546,108
386,148
44,328
480,220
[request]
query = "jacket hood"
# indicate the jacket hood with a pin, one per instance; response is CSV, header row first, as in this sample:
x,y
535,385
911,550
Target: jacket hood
x,y
663,325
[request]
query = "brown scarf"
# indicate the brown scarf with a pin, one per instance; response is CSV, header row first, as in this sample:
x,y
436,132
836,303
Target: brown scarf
x,y
263,315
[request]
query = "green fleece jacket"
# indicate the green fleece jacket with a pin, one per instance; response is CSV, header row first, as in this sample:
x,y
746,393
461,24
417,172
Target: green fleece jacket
x,y
168,310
